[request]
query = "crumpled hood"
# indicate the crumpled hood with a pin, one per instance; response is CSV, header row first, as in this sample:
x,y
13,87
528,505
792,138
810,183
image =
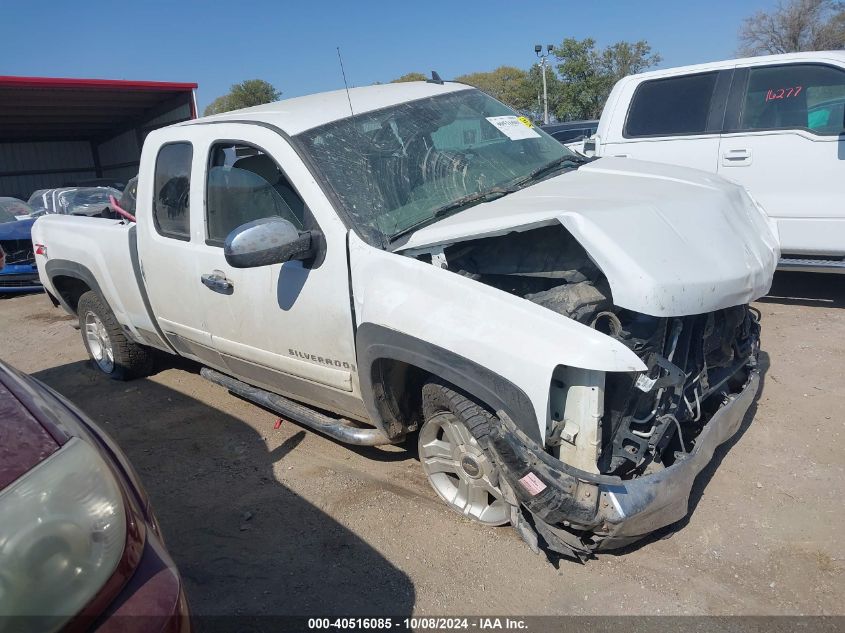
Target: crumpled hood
x,y
671,241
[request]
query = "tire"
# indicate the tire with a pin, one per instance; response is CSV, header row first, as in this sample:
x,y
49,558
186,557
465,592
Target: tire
x,y
452,447
110,351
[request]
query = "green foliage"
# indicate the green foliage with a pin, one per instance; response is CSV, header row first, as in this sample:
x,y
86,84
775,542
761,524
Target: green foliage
x,y
586,74
251,92
578,84
507,84
554,89
409,77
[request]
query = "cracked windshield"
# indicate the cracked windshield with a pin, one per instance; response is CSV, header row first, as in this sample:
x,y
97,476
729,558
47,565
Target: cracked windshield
x,y
404,166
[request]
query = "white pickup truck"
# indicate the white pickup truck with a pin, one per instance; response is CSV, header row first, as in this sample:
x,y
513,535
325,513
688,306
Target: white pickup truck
x,y
774,124
566,339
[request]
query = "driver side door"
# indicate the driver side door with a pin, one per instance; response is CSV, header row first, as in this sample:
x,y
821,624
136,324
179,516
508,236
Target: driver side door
x,y
285,327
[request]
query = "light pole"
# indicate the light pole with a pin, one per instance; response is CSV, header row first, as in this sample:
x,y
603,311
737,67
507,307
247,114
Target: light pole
x,y
538,49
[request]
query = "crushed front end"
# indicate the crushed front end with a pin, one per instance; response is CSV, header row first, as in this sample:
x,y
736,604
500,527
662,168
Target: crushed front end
x,y
621,450
658,430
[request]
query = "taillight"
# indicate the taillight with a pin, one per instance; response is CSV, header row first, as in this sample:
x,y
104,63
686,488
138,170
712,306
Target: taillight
x,y
40,249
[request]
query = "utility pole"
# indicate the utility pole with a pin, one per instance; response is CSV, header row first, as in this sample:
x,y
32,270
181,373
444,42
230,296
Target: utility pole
x,y
538,49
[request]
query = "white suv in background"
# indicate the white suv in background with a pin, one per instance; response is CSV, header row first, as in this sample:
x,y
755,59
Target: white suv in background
x,y
773,124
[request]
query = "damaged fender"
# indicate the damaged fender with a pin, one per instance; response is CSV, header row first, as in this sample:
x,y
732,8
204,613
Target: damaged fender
x,y
512,337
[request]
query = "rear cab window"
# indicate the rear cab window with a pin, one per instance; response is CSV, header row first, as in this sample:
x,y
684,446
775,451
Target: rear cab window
x,y
795,96
243,184
675,106
171,201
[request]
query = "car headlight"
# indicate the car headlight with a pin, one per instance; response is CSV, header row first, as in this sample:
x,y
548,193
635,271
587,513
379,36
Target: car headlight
x,y
62,534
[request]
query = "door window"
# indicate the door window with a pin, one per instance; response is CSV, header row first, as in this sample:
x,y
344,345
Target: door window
x,y
795,96
673,106
171,204
245,184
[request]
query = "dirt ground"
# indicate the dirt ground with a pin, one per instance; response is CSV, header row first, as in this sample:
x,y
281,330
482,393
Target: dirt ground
x,y
264,521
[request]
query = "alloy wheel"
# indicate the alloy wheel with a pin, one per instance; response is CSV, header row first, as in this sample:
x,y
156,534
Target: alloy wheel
x,y
459,470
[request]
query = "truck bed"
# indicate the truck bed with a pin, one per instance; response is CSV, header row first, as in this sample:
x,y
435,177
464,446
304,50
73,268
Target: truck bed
x,y
106,249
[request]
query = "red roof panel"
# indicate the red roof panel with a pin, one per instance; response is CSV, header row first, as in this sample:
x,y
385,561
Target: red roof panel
x,y
108,84
50,108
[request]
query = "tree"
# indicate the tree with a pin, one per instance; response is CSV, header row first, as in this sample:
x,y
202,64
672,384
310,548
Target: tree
x,y
409,77
509,85
554,89
251,92
587,75
794,25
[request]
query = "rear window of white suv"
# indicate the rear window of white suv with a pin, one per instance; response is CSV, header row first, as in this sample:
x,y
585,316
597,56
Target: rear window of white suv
x,y
671,107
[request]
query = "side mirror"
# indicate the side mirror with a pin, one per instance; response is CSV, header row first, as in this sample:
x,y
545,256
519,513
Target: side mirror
x,y
267,241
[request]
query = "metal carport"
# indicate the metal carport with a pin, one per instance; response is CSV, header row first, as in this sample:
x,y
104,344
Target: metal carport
x,y
56,131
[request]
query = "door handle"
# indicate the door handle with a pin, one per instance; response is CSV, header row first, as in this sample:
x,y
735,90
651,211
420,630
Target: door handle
x,y
216,281
739,156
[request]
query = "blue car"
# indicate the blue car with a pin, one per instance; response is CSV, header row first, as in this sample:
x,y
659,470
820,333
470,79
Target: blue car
x,y
19,273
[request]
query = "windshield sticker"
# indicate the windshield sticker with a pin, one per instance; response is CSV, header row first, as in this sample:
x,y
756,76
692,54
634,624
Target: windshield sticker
x,y
513,127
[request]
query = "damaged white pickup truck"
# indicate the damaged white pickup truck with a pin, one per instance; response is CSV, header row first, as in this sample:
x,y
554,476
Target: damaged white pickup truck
x,y
570,338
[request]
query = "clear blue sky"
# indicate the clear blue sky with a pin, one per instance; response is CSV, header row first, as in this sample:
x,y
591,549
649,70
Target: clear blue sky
x,y
292,44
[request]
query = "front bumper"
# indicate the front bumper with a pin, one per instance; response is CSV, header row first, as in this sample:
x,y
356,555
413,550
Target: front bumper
x,y
578,512
19,278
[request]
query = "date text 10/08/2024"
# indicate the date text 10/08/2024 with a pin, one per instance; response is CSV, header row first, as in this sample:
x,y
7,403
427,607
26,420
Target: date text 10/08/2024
x,y
417,624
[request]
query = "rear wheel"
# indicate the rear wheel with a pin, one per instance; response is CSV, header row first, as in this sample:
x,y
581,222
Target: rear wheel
x,y
112,352
458,467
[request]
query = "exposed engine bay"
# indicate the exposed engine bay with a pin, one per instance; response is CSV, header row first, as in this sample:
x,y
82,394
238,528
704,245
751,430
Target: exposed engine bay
x,y
647,421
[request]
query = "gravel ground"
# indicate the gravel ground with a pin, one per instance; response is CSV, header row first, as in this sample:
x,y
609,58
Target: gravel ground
x,y
265,521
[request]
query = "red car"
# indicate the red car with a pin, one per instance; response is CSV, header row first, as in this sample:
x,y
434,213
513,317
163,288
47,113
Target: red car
x,y
79,545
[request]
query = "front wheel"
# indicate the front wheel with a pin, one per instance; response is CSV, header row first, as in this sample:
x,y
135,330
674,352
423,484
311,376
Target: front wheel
x,y
458,468
112,352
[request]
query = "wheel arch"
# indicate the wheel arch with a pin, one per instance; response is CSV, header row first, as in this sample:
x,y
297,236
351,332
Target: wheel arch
x,y
71,280
392,367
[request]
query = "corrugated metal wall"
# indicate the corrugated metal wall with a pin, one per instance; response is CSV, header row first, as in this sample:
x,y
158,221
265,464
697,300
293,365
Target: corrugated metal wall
x,y
31,163
182,113
120,149
119,156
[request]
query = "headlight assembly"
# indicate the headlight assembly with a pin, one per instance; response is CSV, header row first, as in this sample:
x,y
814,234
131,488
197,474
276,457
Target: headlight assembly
x,y
62,534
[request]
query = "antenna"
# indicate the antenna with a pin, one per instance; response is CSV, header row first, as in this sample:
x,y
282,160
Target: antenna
x,y
435,78
343,72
